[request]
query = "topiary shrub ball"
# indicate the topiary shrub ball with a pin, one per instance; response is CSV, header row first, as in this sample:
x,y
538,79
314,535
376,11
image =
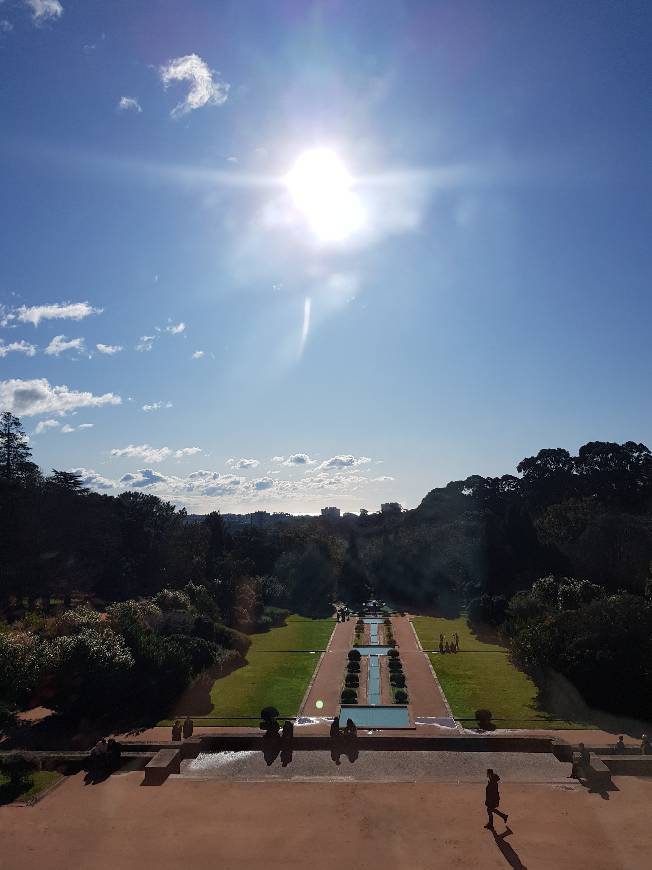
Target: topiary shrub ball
x,y
401,696
349,696
392,653
353,667
354,655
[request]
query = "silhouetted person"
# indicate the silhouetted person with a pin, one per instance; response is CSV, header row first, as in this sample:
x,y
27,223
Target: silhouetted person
x,y
447,647
456,637
441,643
646,746
176,730
188,727
351,729
492,799
114,751
288,730
582,765
335,727
620,745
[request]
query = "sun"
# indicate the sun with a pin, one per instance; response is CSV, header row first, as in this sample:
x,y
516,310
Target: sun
x,y
321,189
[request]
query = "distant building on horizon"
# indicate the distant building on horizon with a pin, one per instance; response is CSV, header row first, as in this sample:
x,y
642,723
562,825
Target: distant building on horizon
x,y
331,513
390,507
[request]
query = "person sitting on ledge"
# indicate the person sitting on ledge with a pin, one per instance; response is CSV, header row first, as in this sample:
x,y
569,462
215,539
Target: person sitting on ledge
x,y
288,730
620,745
335,727
646,746
351,729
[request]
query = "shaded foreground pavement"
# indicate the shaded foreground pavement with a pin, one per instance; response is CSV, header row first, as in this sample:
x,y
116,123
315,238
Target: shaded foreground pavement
x,y
120,825
351,764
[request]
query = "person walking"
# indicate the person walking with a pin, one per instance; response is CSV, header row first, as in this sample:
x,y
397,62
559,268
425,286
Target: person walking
x,y
457,641
441,643
176,730
492,799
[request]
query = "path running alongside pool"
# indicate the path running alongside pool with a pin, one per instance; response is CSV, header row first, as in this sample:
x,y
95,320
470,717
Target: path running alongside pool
x,y
327,682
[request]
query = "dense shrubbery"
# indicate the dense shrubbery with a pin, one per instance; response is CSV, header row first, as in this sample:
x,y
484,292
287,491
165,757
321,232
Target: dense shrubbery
x,y
602,643
349,696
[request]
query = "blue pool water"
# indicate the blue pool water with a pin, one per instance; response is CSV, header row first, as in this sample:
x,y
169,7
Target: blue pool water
x,y
373,681
373,650
376,717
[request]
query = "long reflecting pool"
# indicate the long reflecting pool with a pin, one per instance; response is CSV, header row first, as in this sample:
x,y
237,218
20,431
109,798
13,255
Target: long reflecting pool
x,y
376,717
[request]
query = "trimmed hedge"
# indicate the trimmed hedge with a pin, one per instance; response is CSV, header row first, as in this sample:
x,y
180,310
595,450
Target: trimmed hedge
x,y
401,696
397,680
395,665
349,696
392,654
351,681
354,655
353,667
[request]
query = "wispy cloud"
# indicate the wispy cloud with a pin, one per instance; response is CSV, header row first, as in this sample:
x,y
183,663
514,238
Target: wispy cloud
x,y
129,104
30,397
44,10
142,451
242,463
295,459
145,343
176,328
53,311
44,425
187,451
6,26
17,347
109,349
198,354
60,344
343,461
156,406
204,90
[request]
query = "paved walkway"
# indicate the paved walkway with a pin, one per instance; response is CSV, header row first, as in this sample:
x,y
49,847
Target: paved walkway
x,y
426,697
327,682
348,762
119,825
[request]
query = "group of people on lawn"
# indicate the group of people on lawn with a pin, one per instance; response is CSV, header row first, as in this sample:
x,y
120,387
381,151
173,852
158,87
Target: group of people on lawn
x,y
342,614
185,730
446,646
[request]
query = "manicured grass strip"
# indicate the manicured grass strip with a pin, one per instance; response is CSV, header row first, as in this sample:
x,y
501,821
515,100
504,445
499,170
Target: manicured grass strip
x,y
298,633
268,678
484,676
429,628
41,780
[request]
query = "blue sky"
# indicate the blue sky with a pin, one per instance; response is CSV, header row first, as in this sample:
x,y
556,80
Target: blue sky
x,y
485,292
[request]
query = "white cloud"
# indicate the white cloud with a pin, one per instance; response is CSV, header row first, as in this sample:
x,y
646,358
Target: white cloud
x,y
298,459
278,459
198,354
38,396
176,328
44,10
204,89
54,311
142,479
187,451
156,406
129,104
109,348
67,429
242,463
142,451
382,479
263,483
93,479
343,461
6,26
17,347
60,344
86,426
146,342
44,425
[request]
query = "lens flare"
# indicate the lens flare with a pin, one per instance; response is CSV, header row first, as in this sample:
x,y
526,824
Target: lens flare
x,y
320,187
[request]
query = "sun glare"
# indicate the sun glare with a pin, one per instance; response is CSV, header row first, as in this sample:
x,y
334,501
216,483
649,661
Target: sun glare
x,y
320,186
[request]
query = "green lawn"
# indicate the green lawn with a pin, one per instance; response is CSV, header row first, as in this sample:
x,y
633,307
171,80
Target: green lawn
x,y
41,780
280,664
298,633
482,675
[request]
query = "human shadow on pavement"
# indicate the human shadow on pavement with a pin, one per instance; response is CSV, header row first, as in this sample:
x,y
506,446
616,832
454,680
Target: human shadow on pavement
x,y
349,749
286,755
271,751
509,854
